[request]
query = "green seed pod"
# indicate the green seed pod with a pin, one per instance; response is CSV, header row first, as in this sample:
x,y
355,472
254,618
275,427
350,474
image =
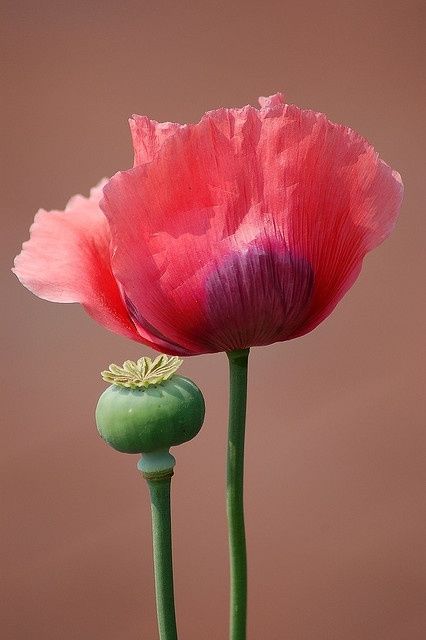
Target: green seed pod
x,y
148,408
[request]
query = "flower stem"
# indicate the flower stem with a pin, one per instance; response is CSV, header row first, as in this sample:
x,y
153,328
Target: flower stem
x,y
159,481
238,365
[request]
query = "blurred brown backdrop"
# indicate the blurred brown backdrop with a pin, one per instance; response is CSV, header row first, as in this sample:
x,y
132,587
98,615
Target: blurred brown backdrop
x,y
336,527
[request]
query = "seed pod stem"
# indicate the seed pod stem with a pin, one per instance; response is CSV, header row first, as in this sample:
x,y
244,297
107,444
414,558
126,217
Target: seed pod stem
x,y
159,483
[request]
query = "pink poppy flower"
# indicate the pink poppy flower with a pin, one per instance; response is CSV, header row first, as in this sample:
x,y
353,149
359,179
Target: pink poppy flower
x,y
244,229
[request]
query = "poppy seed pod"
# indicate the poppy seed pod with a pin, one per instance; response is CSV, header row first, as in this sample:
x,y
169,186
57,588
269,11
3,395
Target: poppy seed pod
x,y
148,408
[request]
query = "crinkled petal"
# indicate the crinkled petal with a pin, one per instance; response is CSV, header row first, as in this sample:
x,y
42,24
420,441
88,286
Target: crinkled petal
x,y
172,236
340,202
67,260
243,178
276,100
148,136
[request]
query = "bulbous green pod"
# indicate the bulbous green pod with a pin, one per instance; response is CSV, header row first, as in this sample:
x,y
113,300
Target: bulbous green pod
x,y
147,419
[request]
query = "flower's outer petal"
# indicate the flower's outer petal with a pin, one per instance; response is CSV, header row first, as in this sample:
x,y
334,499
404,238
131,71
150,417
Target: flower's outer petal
x,y
239,176
166,268
327,194
67,260
148,137
341,202
276,100
167,239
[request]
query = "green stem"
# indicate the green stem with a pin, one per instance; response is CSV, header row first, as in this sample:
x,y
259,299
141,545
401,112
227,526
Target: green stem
x,y
159,489
238,364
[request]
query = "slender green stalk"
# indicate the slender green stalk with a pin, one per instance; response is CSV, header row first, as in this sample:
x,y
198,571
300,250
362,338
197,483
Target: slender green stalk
x,y
238,365
159,488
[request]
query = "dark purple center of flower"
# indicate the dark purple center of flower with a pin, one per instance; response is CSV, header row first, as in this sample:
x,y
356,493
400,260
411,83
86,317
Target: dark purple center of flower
x,y
257,296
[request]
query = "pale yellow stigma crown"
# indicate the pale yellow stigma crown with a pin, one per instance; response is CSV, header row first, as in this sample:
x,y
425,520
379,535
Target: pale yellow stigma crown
x,y
143,373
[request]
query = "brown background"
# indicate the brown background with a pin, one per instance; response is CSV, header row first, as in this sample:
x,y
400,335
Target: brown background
x,y
336,441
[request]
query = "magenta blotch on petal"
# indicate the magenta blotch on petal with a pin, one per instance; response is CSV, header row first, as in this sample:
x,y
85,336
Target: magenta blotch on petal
x,y
257,295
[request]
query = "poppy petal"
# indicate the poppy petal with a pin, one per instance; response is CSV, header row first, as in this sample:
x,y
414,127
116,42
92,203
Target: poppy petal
x,y
67,260
168,220
279,174
342,202
148,137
